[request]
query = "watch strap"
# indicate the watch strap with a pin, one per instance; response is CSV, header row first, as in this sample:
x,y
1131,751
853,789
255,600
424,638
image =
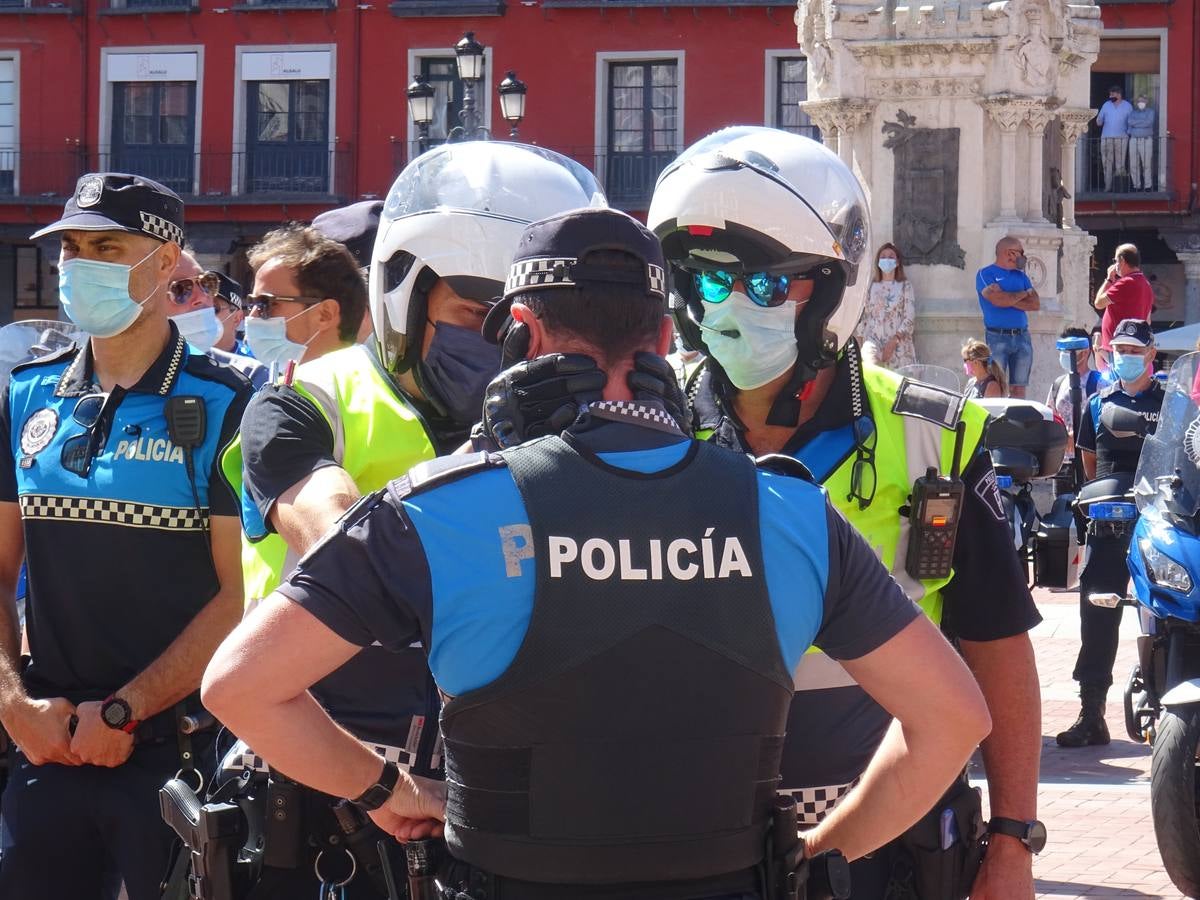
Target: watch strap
x,y
1012,827
377,794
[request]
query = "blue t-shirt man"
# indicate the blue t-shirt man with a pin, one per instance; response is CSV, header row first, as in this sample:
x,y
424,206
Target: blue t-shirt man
x,y
1113,117
1006,295
1011,281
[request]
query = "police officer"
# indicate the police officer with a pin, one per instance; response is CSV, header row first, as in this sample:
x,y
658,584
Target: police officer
x,y
1106,449
767,232
229,302
346,423
584,610
110,488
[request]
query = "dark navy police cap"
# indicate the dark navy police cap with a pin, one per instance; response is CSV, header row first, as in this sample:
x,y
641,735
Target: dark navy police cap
x,y
354,226
1133,331
230,290
553,252
109,201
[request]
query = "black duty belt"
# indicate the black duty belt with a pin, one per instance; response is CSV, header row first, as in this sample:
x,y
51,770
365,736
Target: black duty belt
x,y
1005,330
494,887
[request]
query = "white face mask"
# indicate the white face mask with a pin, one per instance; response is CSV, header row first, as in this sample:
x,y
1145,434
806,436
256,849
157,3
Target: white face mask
x,y
1141,104
754,344
270,344
201,328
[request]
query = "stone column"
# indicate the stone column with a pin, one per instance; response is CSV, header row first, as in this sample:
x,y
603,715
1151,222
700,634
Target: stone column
x,y
1191,271
1008,117
839,120
1074,125
1038,117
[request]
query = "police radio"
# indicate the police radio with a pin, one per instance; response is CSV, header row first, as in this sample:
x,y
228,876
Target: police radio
x,y
934,511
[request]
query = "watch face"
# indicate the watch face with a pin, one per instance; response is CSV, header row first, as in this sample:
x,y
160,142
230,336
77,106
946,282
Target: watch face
x,y
115,714
1036,839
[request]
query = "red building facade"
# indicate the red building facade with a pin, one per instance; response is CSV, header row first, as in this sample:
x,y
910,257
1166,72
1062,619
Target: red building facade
x,y
262,111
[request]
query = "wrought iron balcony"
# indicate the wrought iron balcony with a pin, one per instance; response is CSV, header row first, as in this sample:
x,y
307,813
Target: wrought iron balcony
x,y
139,7
40,175
1116,169
18,7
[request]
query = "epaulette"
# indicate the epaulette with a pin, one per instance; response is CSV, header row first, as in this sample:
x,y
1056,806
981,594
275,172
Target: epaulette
x,y
938,405
782,464
57,356
443,470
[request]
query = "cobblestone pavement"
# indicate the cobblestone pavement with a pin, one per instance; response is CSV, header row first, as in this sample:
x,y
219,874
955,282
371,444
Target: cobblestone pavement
x,y
1095,801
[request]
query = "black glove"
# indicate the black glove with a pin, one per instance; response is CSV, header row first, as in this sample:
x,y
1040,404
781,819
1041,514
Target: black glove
x,y
653,378
538,397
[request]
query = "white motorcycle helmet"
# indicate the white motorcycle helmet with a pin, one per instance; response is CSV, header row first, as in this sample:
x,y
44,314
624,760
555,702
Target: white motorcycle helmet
x,y
753,199
457,212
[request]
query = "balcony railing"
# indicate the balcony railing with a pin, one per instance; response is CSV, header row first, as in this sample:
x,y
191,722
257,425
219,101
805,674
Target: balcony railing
x,y
1123,168
37,174
39,6
145,6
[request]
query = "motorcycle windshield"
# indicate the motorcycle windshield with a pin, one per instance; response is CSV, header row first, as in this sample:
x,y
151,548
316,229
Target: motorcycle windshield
x,y
31,338
1168,472
935,375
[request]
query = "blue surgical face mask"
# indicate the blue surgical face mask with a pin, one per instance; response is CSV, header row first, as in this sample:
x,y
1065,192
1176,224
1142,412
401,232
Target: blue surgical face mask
x,y
1129,366
457,369
95,295
269,342
1064,361
201,328
754,344
887,265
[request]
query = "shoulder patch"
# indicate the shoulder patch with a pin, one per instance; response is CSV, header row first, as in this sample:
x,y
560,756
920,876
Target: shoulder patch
x,y
782,464
934,404
442,470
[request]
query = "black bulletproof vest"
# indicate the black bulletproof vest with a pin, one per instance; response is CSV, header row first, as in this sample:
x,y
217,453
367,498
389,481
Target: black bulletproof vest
x,y
637,734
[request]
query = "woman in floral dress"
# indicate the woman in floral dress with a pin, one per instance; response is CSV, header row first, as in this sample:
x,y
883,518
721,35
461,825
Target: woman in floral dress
x,y
885,330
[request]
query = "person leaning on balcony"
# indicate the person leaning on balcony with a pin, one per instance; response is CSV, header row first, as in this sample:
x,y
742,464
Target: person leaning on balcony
x,y
1113,120
1141,145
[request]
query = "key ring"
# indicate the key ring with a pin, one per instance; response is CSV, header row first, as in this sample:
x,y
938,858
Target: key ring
x,y
182,773
335,884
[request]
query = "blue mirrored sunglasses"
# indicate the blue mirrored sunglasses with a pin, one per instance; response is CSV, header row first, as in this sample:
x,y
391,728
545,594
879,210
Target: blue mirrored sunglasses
x,y
761,288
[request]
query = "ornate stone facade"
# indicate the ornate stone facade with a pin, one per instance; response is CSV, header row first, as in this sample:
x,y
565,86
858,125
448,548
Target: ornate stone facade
x,y
1000,75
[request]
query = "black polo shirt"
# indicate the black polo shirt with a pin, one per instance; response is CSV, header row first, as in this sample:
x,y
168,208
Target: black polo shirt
x,y
119,561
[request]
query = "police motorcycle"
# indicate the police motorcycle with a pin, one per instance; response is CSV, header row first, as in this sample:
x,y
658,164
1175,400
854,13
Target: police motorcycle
x,y
1160,505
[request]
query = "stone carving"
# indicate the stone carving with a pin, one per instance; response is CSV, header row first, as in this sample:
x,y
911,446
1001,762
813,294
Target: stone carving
x,y
1036,270
1035,58
925,191
901,88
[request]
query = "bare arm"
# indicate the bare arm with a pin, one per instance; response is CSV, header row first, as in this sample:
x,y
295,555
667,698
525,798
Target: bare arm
x,y
1031,303
1088,458
1003,299
12,551
922,752
309,508
176,673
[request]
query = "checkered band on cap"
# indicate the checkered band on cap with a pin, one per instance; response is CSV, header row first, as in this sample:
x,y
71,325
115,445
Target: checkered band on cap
x,y
161,228
555,272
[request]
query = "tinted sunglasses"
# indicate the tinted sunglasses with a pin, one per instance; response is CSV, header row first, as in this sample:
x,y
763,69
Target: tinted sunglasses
x,y
761,288
182,288
260,304
79,451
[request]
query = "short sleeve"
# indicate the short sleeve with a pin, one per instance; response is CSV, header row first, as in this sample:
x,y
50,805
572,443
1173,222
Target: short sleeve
x,y
222,497
988,598
285,438
8,463
1086,439
864,606
367,579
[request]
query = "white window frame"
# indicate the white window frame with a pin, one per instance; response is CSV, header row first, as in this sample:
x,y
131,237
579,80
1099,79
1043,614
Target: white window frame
x,y
14,56
603,59
1163,94
483,93
104,129
239,104
771,80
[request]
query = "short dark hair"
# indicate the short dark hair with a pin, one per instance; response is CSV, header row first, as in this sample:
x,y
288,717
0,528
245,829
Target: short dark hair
x,y
613,319
323,268
1128,254
1074,331
1117,89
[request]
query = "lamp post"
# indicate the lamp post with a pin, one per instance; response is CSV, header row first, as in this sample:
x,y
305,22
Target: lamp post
x,y
420,105
512,101
469,57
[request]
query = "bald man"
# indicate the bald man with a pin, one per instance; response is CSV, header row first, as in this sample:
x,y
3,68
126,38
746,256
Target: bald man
x,y
1005,296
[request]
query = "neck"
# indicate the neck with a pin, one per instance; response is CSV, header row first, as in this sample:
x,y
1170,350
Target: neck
x,y
124,358
227,345
324,342
754,406
407,383
1136,387
888,276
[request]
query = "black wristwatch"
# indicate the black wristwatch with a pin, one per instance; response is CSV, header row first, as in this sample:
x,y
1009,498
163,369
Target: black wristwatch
x,y
118,715
376,795
1032,833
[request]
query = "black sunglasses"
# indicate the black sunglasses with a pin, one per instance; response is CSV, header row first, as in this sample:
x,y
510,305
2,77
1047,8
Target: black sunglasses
x,y
79,451
260,304
862,475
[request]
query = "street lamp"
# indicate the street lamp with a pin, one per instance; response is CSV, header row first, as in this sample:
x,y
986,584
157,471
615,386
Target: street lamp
x,y
421,96
469,56
512,101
